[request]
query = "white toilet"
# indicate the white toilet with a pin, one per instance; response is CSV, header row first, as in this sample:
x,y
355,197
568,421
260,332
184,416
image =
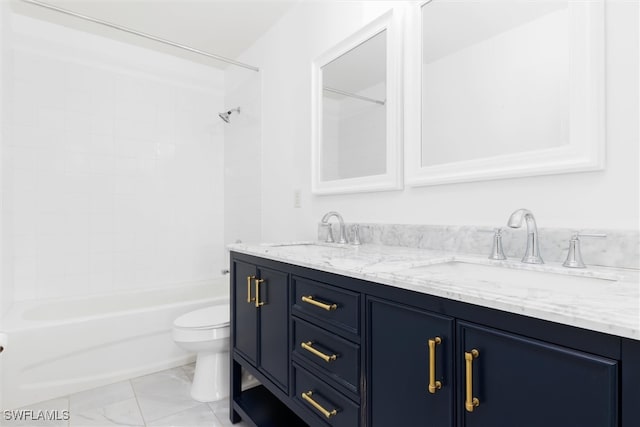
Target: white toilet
x,y
206,332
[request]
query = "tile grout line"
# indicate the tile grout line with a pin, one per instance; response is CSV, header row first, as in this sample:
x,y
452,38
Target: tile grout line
x,y
214,413
135,395
215,416
168,415
207,404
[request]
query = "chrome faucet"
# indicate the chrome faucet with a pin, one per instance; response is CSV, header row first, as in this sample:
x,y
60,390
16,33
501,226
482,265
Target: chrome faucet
x,y
574,256
532,254
325,221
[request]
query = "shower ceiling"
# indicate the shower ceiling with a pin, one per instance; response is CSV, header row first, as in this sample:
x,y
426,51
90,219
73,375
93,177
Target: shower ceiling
x,y
223,27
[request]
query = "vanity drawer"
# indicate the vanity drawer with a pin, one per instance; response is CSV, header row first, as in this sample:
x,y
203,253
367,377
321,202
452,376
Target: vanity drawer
x,y
326,304
322,400
334,356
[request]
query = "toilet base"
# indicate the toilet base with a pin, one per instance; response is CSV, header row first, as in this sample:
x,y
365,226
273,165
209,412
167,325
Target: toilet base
x,y
211,377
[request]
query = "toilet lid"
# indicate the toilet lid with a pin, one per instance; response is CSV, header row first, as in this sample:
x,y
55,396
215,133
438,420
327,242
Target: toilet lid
x,y
216,316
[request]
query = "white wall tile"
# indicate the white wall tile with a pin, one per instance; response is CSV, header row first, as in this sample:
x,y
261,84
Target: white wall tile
x,y
111,166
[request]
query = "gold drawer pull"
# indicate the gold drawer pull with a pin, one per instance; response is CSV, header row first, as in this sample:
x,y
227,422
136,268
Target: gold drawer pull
x,y
327,358
433,384
470,402
258,303
307,396
249,279
309,299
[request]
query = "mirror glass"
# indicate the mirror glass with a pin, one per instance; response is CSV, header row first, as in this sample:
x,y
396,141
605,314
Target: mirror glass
x,y
495,79
354,134
356,113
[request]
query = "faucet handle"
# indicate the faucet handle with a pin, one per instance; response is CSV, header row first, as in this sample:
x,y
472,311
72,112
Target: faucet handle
x,y
574,256
356,235
497,252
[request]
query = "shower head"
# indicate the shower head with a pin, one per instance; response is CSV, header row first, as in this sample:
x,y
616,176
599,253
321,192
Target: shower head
x,y
225,116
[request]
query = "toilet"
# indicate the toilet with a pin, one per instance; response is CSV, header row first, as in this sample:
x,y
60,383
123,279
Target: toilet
x,y
206,333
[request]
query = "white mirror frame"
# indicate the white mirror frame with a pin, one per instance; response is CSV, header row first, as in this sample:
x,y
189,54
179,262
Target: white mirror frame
x,y
586,148
392,179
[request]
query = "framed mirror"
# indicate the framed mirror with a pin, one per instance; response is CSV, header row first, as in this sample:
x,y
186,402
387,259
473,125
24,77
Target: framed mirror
x,y
502,89
356,142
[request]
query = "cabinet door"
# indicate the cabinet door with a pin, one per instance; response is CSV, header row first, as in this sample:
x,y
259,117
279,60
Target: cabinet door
x,y
399,359
528,383
245,311
274,320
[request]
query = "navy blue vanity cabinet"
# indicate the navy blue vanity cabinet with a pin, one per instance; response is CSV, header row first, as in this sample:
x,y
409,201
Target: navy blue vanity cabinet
x,y
273,325
245,314
325,332
335,351
261,318
508,380
630,383
410,366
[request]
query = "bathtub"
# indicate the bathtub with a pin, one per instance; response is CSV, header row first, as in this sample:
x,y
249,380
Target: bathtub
x,y
60,347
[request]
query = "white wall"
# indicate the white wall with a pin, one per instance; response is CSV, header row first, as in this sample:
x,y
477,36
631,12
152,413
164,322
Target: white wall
x,y
603,199
113,165
5,289
5,297
242,151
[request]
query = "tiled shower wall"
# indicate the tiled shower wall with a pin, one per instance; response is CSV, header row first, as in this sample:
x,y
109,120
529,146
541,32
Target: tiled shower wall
x,y
5,291
242,157
113,165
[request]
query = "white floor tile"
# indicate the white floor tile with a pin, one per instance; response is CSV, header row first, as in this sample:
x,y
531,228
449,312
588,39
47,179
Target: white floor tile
x,y
32,419
200,416
121,413
161,399
221,410
189,370
163,393
100,397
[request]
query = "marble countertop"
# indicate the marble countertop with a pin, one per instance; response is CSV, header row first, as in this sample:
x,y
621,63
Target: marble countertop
x,y
600,299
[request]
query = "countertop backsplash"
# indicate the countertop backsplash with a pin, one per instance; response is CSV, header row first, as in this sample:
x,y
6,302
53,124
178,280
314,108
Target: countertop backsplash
x,y
620,249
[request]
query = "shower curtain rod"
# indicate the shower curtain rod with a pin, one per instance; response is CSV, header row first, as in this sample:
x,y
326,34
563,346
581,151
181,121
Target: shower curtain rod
x,y
353,95
141,34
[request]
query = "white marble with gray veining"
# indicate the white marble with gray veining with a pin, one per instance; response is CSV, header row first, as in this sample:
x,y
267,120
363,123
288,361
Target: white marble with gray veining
x,y
113,404
163,394
621,248
607,300
155,400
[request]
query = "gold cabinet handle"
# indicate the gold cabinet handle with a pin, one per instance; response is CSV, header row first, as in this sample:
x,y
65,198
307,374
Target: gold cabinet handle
x,y
258,303
433,384
249,279
307,396
309,347
470,402
309,299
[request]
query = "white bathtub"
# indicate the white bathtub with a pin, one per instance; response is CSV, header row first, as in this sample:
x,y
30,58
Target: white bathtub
x,y
60,347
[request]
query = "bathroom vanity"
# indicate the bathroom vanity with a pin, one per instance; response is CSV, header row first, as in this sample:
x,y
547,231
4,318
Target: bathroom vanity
x,y
382,337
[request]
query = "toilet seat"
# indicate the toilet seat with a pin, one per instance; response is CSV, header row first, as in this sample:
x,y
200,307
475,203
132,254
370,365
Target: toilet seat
x,y
213,317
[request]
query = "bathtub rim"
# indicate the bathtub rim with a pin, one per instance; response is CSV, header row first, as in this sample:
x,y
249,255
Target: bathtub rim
x,y
14,321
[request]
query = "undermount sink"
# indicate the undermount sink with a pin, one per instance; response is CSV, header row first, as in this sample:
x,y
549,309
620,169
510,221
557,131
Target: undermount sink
x,y
308,249
514,275
304,244
280,244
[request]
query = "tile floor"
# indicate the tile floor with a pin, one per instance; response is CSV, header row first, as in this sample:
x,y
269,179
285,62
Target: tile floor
x,y
156,400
